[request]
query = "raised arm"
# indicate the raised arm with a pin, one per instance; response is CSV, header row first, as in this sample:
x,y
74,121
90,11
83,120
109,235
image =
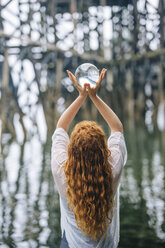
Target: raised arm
x,y
69,114
107,113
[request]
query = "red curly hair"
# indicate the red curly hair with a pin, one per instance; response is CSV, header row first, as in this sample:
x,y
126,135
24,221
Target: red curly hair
x,y
89,179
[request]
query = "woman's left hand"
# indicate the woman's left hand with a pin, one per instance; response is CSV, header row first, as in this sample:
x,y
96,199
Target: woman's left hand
x,y
82,91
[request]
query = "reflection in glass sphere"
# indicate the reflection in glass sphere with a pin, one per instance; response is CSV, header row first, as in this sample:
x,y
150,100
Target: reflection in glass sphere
x,y
87,73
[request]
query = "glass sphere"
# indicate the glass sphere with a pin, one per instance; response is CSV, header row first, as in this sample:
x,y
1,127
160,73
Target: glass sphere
x,y
87,73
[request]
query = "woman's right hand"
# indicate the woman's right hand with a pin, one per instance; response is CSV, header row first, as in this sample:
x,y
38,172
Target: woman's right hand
x,y
93,90
82,91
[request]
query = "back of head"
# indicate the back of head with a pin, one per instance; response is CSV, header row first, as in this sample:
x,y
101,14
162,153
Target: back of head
x,y
89,179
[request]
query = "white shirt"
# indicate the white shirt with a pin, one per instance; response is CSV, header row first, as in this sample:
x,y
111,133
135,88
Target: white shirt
x,y
118,158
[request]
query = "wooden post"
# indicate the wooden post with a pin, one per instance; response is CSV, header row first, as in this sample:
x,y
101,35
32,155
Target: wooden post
x,y
130,99
159,95
5,82
59,72
73,9
5,72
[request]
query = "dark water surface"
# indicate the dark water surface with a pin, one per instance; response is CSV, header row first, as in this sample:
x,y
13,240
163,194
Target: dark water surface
x,y
29,204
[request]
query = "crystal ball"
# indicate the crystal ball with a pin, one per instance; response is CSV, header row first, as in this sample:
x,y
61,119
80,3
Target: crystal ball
x,y
87,73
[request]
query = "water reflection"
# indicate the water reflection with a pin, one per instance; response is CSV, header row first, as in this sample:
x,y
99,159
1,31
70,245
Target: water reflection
x,y
142,190
29,203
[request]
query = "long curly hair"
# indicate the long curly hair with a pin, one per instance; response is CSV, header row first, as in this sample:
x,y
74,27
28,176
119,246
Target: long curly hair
x,y
89,179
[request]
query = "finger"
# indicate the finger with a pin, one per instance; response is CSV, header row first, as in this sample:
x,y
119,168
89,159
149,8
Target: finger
x,y
103,72
73,79
86,86
71,76
90,89
102,75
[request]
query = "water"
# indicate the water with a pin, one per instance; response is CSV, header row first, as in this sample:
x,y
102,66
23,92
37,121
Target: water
x,y
29,203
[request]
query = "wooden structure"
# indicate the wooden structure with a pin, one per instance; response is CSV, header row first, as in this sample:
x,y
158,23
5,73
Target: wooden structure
x,y
126,37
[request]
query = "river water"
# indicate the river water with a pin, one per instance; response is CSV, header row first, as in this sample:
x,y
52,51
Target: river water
x,y
29,202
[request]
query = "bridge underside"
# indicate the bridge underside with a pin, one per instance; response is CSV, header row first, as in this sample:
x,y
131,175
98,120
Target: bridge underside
x,y
40,40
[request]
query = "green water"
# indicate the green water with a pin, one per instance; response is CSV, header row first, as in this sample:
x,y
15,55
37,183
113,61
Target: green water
x,y
29,204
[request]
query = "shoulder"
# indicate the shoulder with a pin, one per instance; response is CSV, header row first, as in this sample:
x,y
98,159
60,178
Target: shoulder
x,y
60,133
117,146
60,141
116,137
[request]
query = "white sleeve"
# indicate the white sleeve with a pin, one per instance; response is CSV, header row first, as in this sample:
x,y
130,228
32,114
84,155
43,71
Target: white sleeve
x,y
118,158
60,141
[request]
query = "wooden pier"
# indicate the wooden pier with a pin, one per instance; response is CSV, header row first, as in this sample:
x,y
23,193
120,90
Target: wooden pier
x,y
126,37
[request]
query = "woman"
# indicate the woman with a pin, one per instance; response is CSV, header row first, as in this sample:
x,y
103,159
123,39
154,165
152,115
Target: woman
x,y
87,170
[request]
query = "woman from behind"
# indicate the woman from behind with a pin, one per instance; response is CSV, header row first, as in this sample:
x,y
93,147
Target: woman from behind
x,y
87,171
